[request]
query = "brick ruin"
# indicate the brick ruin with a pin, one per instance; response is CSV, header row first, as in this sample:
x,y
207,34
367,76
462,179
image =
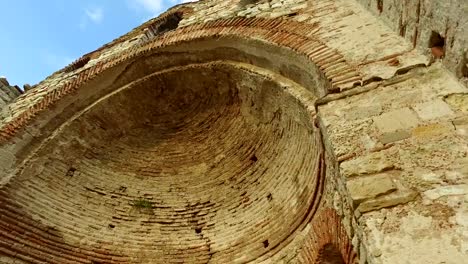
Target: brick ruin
x,y
282,131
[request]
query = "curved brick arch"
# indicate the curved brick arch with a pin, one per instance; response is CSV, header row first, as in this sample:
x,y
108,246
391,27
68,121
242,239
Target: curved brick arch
x,y
293,35
326,59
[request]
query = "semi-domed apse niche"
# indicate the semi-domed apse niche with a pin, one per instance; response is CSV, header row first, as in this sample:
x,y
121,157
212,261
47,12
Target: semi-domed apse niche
x,y
207,151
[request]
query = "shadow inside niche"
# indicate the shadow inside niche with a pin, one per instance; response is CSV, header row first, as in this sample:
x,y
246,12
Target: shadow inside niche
x,y
330,254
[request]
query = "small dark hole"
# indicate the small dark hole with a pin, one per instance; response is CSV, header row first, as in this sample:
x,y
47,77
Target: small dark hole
x,y
465,66
330,254
71,172
254,158
167,24
269,197
111,226
292,14
265,243
403,30
436,40
380,5
198,230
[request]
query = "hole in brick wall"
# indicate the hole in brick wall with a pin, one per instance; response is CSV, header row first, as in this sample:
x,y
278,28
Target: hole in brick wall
x,y
254,158
269,197
169,23
265,243
111,226
437,44
198,230
292,14
71,172
380,5
436,40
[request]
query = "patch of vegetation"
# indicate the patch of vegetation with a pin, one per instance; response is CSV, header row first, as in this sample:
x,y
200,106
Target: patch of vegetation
x,y
142,204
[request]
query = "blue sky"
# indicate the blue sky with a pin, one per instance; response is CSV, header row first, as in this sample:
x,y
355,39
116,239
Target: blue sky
x,y
38,37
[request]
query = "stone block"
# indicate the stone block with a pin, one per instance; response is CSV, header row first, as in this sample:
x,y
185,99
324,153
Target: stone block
x,y
396,125
299,7
462,130
276,5
364,112
390,137
463,120
370,164
392,199
433,109
369,187
432,130
438,192
302,18
458,101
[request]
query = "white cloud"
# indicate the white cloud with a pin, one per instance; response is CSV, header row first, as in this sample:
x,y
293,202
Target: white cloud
x,y
155,7
95,14
151,6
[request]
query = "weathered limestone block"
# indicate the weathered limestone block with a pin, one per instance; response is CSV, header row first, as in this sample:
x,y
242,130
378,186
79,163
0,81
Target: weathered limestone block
x,y
458,101
433,130
433,109
396,125
368,187
370,164
442,191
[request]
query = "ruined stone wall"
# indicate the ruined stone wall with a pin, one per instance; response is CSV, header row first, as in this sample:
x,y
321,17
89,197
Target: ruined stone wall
x,y
419,21
352,144
7,94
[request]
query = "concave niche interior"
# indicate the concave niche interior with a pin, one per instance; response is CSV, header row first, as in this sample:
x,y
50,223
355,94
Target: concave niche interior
x,y
200,163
